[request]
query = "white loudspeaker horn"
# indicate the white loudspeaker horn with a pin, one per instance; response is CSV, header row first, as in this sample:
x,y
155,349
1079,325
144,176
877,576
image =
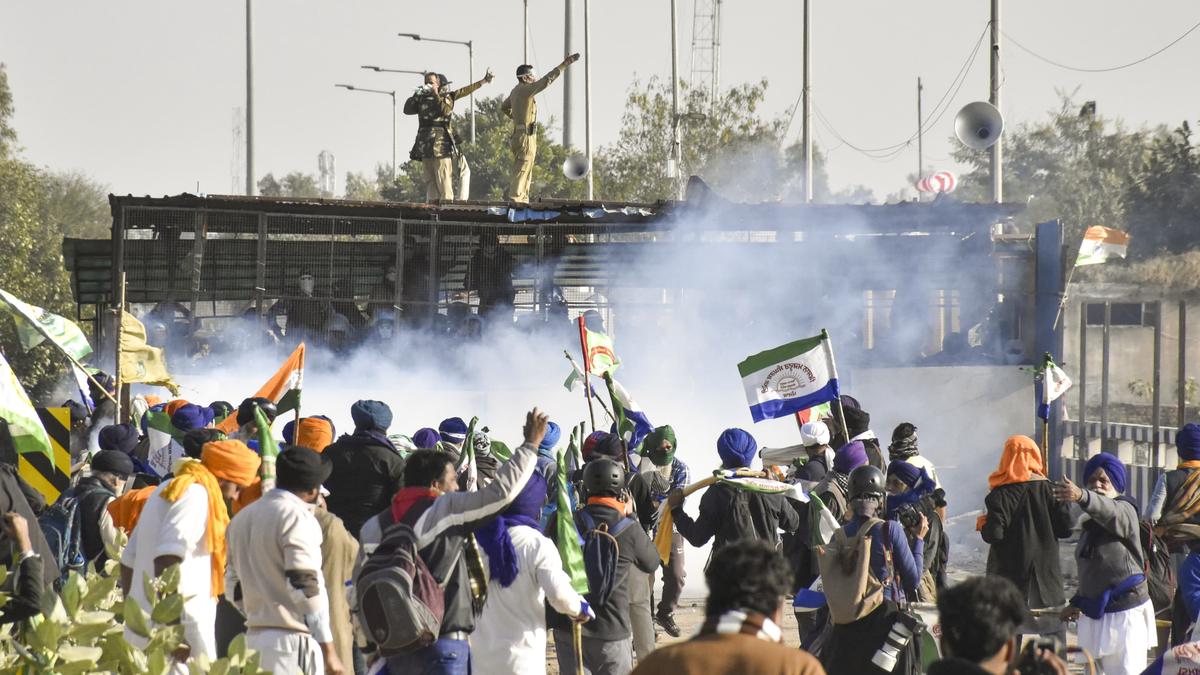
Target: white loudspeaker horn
x,y
575,167
978,125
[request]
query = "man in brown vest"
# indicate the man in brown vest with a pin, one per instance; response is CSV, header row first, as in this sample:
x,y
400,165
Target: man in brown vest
x,y
522,108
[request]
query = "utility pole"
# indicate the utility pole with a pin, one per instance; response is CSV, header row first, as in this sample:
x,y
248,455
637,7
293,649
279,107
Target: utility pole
x,y
676,144
568,48
525,35
806,118
250,182
997,149
587,92
920,139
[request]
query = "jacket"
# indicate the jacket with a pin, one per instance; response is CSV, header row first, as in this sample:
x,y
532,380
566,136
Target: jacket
x,y
636,550
339,550
436,136
443,525
1110,550
908,560
366,473
728,654
12,498
1023,524
521,105
718,517
93,497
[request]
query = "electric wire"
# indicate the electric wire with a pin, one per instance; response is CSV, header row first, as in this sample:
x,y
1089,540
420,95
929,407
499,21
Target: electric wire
x,y
1109,69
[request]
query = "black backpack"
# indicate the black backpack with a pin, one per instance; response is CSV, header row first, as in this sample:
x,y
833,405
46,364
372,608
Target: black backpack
x,y
62,524
1156,564
600,555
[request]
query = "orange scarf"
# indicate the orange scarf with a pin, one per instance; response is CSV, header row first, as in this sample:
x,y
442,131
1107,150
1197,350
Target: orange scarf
x,y
190,472
1020,462
1189,464
126,509
611,502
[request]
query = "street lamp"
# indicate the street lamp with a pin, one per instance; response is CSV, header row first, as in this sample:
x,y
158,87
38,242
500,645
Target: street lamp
x,y
380,69
470,45
388,93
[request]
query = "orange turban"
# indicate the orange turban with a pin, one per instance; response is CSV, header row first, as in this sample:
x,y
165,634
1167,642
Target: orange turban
x,y
152,400
231,460
1019,463
171,407
314,433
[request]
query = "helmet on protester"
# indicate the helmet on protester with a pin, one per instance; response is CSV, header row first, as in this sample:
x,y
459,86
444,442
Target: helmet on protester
x,y
603,478
245,411
866,481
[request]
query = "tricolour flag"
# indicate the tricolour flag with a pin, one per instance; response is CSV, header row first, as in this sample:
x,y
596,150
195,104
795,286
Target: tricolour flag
x,y
790,378
598,355
28,434
820,412
1055,383
268,448
632,423
282,389
1100,244
566,536
139,361
35,325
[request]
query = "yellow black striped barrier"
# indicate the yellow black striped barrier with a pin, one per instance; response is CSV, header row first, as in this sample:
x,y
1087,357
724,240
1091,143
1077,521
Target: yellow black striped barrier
x,y
50,476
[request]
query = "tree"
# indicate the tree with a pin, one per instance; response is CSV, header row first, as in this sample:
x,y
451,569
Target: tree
x,y
294,184
360,187
727,143
1164,202
1074,167
269,187
76,205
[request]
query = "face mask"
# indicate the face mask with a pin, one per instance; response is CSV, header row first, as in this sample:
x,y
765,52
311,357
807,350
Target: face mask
x,y
306,286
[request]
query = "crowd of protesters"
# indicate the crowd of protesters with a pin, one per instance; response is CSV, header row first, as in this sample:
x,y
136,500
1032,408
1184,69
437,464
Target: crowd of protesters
x,y
849,533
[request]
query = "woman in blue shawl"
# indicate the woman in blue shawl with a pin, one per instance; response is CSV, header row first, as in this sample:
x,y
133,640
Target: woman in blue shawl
x,y
911,493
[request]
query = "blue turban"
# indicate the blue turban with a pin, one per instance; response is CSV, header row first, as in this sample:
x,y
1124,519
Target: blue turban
x,y
1187,441
736,448
494,538
1111,465
453,430
192,416
849,457
553,433
289,432
371,415
426,439
916,478
123,437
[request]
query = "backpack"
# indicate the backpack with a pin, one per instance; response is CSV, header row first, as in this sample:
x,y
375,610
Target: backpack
x,y
600,555
1157,566
400,603
851,590
62,525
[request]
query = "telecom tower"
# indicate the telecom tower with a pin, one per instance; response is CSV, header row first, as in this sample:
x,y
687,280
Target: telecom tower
x,y
325,167
238,164
706,48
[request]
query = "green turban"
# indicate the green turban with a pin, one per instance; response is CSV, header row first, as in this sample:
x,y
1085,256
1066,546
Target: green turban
x,y
654,449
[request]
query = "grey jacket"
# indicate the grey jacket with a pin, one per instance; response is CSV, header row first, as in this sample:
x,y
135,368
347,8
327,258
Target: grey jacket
x,y
1110,550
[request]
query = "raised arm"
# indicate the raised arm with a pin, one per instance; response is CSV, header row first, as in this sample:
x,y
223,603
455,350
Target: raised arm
x,y
472,508
471,88
540,85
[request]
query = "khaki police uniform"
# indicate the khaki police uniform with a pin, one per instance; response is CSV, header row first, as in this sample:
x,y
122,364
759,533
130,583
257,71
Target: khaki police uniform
x,y
521,106
437,140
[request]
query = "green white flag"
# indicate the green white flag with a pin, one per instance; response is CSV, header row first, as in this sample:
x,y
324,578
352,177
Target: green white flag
x,y
267,447
822,524
36,325
28,434
569,547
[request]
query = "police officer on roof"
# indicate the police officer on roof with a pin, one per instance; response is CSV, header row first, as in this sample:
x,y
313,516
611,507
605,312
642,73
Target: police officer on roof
x,y
437,141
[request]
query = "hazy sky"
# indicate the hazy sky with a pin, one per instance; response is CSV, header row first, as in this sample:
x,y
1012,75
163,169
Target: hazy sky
x,y
140,94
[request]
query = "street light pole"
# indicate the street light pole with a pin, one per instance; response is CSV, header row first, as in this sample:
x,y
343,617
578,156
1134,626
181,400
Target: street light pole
x,y
676,145
470,45
525,35
806,117
380,69
392,93
997,155
250,182
587,92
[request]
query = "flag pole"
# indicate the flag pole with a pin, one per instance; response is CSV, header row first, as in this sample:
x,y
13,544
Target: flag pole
x,y
117,350
1046,419
587,371
841,412
1063,302
587,391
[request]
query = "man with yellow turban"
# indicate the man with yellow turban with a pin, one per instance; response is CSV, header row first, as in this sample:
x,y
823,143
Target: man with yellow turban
x,y
183,523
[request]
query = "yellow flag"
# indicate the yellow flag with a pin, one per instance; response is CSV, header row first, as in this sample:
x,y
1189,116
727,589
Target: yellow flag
x,y
141,363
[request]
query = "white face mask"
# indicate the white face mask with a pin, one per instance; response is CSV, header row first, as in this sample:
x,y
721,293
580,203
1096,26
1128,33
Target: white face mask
x,y
306,285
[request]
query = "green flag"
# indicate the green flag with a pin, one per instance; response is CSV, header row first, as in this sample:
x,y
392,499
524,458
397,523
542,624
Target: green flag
x,y
822,524
28,434
569,548
267,447
35,325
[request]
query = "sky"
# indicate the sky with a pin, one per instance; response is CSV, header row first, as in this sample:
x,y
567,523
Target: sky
x,y
141,94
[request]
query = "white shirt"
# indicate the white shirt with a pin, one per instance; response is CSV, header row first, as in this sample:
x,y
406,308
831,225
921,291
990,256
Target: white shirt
x,y
510,634
176,529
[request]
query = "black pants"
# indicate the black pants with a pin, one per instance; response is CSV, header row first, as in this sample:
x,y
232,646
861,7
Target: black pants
x,y
853,645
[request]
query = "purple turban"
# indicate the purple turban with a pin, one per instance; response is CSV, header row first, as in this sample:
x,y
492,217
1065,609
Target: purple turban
x,y
192,416
736,448
1187,441
1111,465
849,457
914,477
453,430
426,439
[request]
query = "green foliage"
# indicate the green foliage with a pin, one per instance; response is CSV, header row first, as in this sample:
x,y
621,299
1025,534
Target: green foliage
x,y
360,187
1164,203
294,184
82,630
8,135
76,206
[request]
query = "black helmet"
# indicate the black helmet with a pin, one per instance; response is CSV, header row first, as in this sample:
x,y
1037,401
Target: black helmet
x,y
866,481
603,478
245,412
